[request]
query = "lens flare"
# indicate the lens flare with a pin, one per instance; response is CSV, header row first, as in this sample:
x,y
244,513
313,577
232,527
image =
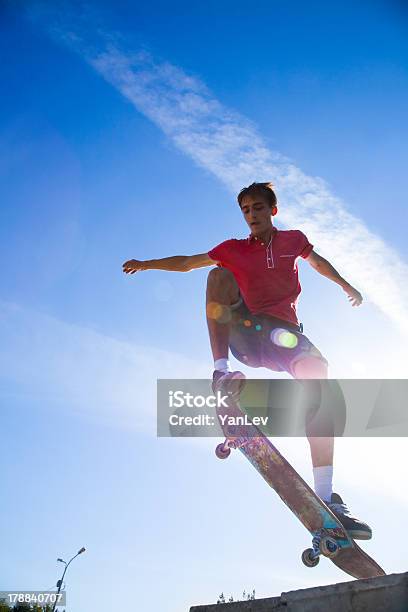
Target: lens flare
x,y
285,338
218,312
247,323
258,327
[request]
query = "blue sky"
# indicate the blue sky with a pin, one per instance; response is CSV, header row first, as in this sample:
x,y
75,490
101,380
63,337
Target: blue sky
x,y
131,139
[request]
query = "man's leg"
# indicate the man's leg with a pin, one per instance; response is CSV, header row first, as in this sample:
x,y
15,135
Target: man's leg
x,y
222,291
322,448
322,459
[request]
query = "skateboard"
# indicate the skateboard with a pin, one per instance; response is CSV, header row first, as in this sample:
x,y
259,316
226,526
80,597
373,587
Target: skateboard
x,y
329,537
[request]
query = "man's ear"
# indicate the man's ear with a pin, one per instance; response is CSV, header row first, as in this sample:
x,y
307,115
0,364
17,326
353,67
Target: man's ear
x,y
274,211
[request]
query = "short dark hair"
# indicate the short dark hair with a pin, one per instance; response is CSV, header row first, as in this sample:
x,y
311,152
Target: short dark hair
x,y
264,189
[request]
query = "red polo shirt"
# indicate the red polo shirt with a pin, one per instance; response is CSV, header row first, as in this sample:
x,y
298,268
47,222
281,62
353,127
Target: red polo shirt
x,y
267,274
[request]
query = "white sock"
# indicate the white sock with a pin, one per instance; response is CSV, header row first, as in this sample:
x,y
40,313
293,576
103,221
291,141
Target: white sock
x,y
323,481
222,364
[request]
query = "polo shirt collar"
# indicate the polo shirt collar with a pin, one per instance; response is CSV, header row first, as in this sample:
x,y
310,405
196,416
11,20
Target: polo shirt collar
x,y
251,238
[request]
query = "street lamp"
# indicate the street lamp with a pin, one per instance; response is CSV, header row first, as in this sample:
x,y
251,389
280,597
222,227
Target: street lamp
x,y
60,582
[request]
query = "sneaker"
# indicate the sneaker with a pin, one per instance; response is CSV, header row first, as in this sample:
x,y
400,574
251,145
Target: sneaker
x,y
354,527
231,382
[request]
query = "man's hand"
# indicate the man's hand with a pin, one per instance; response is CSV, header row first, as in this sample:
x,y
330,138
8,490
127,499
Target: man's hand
x,y
133,265
354,296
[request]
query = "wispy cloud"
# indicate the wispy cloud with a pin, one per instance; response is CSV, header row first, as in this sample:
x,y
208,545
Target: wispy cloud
x,y
83,371
230,147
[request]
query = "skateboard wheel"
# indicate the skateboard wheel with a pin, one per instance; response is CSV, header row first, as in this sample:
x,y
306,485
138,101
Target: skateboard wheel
x,y
308,559
222,452
329,547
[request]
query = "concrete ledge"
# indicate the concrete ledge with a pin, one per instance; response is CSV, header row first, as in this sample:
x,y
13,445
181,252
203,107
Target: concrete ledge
x,y
387,593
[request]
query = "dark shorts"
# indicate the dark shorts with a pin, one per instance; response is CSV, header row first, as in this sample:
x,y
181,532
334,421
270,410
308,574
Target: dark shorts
x,y
264,341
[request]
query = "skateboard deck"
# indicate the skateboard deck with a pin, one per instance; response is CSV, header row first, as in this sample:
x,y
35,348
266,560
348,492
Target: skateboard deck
x,y
329,536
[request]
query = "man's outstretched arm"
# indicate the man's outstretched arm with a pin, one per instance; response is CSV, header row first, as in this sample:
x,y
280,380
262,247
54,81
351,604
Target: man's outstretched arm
x,y
321,265
177,263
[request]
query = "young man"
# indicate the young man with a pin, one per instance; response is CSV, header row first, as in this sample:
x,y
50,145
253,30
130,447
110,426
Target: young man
x,y
251,309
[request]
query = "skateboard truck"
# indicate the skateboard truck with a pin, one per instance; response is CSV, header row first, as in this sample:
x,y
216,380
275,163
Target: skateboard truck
x,y
223,450
321,545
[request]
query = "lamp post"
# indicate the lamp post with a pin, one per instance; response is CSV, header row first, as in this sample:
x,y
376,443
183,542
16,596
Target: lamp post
x,y
59,583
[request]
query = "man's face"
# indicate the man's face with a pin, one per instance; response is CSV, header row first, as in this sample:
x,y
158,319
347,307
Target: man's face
x,y
258,213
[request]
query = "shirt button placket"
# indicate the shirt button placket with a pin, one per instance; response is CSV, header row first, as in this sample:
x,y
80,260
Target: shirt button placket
x,y
269,256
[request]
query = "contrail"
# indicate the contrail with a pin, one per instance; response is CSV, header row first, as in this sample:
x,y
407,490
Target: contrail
x,y
230,147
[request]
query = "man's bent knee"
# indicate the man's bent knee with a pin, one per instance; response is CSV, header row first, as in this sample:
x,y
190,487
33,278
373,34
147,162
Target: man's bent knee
x,y
221,276
221,283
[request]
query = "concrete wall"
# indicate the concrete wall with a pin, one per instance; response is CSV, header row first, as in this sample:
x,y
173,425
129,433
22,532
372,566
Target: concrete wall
x,y
384,594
